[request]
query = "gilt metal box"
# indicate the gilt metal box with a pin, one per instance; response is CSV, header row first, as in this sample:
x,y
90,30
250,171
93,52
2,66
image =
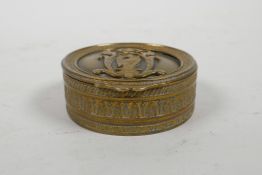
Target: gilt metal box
x,y
129,88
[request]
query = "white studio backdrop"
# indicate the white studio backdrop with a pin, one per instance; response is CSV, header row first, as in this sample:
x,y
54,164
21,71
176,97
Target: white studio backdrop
x,y
224,135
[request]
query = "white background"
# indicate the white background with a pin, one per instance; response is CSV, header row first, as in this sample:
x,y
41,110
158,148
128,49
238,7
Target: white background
x,y
224,136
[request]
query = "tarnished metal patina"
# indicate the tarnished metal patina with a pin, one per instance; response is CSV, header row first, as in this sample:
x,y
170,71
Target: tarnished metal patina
x,y
129,88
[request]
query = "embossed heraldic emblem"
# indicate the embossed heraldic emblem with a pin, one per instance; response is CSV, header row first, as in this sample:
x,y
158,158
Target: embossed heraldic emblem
x,y
129,63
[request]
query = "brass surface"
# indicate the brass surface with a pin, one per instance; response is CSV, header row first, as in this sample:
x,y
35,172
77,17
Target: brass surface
x,y
129,88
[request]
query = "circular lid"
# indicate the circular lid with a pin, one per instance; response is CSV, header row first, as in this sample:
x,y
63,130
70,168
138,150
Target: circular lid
x,y
128,66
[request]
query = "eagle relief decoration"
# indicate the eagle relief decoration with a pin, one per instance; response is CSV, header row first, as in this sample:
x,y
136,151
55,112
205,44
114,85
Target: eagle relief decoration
x,y
128,63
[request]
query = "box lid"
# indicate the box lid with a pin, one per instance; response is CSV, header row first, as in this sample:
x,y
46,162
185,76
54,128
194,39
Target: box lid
x,y
129,66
